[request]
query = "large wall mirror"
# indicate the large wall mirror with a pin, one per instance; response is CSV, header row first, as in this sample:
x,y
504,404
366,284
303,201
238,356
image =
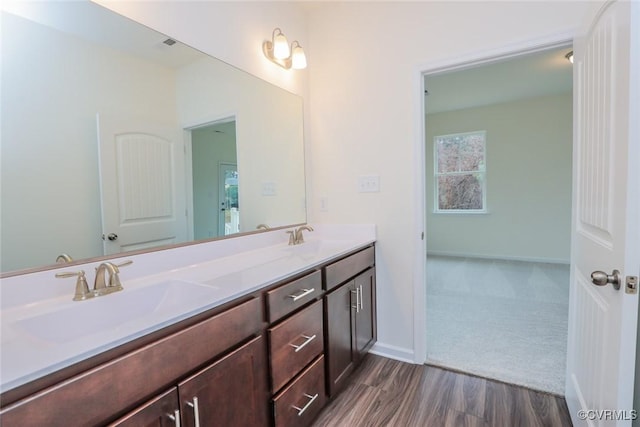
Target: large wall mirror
x,y
118,138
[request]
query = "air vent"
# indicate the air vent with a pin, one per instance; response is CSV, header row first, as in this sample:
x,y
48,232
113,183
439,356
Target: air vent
x,y
169,42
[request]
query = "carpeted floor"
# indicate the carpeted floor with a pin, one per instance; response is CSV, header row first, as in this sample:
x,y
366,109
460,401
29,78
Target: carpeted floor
x,y
505,320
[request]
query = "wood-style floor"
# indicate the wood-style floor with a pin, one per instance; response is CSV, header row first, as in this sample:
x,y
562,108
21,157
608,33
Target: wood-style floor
x,y
385,392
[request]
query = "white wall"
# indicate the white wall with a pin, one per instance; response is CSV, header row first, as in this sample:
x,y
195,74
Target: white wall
x,y
528,157
365,118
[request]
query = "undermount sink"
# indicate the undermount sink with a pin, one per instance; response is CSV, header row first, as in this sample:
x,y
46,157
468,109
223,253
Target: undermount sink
x,y
155,302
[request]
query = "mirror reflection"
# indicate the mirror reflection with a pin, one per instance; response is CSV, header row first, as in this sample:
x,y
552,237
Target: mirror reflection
x,y
118,138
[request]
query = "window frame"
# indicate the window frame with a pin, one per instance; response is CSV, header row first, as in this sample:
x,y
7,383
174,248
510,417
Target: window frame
x,y
436,174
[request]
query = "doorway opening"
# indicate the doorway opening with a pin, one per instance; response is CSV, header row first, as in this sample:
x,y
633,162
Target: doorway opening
x,y
498,162
212,166
229,218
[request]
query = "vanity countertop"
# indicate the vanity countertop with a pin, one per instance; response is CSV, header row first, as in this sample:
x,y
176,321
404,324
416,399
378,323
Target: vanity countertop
x,y
41,336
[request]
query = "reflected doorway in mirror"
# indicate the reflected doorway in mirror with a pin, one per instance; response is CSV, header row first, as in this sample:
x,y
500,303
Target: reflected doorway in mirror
x,y
212,179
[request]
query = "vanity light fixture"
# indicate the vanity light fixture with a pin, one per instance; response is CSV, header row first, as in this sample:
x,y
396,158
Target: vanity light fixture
x,y
569,57
278,51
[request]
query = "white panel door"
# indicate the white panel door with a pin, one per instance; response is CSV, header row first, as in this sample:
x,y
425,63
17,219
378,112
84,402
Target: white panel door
x,y
603,320
142,178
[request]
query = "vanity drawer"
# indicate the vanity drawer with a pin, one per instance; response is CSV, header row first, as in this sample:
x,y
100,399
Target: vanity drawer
x,y
288,297
294,343
343,270
300,402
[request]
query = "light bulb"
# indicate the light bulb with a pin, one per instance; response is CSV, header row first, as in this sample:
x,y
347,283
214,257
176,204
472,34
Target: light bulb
x,y
280,46
298,58
569,56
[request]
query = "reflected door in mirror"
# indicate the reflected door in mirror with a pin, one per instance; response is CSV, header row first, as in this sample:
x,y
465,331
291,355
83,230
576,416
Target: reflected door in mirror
x,y
141,169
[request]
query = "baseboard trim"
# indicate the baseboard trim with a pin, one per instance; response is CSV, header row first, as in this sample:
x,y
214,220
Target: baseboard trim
x,y
393,352
498,257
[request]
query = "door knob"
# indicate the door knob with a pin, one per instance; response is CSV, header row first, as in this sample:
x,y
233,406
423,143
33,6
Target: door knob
x,y
600,278
111,236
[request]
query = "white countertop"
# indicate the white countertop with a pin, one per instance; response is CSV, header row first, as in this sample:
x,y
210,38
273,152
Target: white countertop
x,y
40,335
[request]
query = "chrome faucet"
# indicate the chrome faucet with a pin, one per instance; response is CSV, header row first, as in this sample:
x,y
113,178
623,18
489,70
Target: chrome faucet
x,y
263,227
296,237
100,285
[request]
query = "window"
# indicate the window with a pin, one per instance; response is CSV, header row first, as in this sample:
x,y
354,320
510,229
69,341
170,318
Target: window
x,y
460,173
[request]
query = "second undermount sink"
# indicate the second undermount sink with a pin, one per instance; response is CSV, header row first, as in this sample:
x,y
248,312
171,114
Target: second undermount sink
x,y
155,302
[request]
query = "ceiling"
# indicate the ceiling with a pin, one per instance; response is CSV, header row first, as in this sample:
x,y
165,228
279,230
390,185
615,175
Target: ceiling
x,y
98,24
527,76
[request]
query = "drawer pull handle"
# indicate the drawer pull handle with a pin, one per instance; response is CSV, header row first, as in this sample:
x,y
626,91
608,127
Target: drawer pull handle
x,y
196,411
304,293
301,346
175,417
357,306
305,407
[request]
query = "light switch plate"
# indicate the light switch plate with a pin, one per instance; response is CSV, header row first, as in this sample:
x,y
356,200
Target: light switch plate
x,y
324,204
269,189
368,183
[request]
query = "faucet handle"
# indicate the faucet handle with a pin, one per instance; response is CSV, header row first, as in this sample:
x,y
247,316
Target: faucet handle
x,y
125,263
82,287
292,238
114,279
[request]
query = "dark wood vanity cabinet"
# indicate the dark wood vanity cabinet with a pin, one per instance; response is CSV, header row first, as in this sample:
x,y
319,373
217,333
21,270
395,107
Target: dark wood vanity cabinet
x,y
231,392
271,359
123,384
351,319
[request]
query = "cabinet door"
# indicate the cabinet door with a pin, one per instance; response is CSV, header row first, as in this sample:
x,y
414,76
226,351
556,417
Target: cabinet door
x,y
365,325
230,392
159,412
339,317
